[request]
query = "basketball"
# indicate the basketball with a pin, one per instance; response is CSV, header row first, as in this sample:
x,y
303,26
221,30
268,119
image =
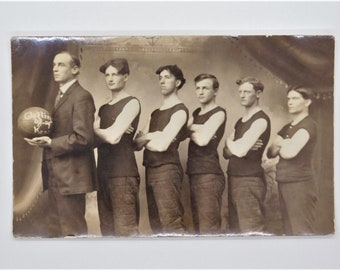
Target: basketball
x,y
35,122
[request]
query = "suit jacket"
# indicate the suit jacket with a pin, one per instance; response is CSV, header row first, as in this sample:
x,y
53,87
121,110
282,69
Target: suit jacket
x,y
70,162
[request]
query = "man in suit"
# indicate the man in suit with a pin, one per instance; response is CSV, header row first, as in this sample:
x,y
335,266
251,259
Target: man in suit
x,y
68,167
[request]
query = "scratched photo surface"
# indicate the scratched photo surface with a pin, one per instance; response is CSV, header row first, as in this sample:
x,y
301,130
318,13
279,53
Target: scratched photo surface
x,y
279,62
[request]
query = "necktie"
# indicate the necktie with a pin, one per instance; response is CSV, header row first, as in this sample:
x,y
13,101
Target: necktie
x,y
59,96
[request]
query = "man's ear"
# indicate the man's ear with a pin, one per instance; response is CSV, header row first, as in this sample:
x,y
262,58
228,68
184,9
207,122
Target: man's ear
x,y
75,70
258,93
308,102
178,83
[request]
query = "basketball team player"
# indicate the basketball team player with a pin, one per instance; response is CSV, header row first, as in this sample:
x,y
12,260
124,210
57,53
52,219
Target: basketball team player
x,y
161,138
118,177
244,149
207,180
68,167
294,145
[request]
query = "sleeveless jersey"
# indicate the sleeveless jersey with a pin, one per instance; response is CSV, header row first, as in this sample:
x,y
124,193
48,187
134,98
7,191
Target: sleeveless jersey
x,y
117,160
159,120
298,168
205,159
250,164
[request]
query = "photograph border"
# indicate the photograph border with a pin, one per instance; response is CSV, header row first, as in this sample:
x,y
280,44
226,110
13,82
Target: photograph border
x,y
289,252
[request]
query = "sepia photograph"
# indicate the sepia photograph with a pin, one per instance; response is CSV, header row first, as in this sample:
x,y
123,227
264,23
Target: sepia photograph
x,y
169,135
178,136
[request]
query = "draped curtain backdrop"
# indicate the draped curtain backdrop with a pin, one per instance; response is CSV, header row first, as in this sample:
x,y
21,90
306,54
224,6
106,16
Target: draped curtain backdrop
x,y
32,86
296,60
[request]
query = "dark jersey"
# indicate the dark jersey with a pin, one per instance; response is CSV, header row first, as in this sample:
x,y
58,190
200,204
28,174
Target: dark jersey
x,y
159,120
298,168
117,160
250,164
204,159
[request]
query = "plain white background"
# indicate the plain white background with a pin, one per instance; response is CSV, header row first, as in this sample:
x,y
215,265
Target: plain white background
x,y
153,18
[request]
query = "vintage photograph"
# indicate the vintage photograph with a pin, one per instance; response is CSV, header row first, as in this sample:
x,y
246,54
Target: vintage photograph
x,y
151,136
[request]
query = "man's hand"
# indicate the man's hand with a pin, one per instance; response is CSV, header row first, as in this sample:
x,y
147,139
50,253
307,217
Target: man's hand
x,y
275,148
43,141
139,133
226,151
257,145
130,130
140,140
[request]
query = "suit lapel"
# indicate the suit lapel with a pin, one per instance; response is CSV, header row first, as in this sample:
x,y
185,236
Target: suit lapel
x,y
66,96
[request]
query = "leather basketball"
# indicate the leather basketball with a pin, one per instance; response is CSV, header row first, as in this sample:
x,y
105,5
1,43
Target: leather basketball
x,y
35,122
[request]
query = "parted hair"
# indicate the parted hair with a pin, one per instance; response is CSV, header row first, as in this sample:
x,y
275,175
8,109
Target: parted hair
x,y
204,76
174,70
121,64
75,59
256,83
305,92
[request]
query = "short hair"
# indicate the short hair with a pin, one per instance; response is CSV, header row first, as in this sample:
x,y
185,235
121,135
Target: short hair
x,y
121,64
256,83
305,92
204,76
75,59
174,70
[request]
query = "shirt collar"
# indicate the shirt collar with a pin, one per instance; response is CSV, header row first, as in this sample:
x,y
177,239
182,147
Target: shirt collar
x,y
66,86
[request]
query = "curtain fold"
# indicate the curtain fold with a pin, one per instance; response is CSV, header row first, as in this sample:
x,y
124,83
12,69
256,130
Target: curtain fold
x,y
307,60
32,85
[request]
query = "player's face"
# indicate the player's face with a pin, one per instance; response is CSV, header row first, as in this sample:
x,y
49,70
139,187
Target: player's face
x,y
168,82
248,95
296,102
114,80
63,68
205,91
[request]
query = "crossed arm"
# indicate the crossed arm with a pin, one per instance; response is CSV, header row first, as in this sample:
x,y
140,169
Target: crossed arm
x,y
288,148
114,133
159,141
250,140
201,134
